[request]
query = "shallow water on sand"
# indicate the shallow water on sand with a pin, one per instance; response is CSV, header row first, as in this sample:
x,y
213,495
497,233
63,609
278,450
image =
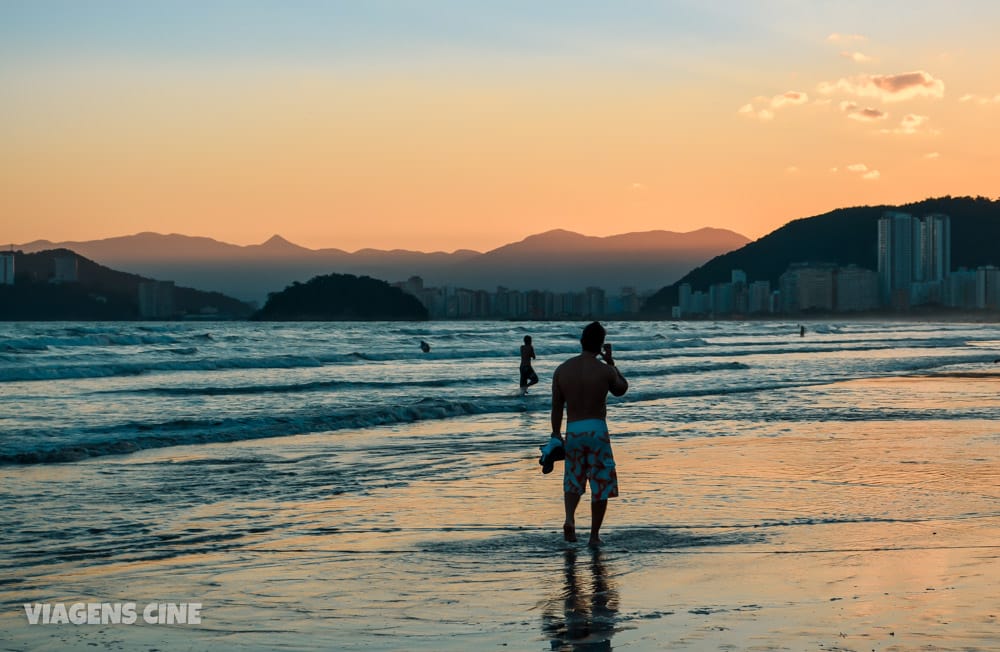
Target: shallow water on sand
x,y
858,512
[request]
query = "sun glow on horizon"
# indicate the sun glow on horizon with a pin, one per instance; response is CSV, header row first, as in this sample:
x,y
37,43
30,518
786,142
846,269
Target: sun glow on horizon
x,y
452,127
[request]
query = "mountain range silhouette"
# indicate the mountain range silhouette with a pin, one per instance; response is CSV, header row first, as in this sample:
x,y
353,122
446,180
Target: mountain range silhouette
x,y
557,260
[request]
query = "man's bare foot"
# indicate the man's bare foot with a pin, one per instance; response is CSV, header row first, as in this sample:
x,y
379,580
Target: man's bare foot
x,y
569,532
595,542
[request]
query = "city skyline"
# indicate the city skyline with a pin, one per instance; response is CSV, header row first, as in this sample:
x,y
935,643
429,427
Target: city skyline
x,y
913,269
441,125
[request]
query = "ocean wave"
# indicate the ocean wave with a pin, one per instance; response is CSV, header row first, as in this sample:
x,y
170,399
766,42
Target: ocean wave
x,y
294,388
131,437
105,370
83,339
688,369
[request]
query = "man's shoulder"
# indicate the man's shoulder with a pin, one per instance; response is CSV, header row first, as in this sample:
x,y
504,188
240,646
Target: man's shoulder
x,y
567,363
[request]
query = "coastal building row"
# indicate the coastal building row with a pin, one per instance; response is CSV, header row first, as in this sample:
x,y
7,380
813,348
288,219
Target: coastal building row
x,y
506,303
914,269
155,298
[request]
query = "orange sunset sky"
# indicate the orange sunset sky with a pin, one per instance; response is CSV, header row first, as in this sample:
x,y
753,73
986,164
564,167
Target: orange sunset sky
x,y
438,125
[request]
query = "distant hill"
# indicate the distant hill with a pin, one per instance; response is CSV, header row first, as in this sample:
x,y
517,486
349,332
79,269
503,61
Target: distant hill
x,y
844,236
563,260
341,297
98,293
557,260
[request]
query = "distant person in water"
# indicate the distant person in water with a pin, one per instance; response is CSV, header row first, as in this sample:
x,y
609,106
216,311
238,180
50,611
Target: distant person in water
x,y
528,375
425,347
581,386
802,331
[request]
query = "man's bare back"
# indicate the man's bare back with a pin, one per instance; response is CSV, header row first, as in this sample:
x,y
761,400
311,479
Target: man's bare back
x,y
581,384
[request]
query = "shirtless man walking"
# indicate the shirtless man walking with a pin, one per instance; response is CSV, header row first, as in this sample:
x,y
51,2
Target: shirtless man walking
x,y
581,386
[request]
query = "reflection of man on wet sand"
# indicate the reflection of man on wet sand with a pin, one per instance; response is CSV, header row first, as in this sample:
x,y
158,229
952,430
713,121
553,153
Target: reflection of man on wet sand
x,y
583,617
581,385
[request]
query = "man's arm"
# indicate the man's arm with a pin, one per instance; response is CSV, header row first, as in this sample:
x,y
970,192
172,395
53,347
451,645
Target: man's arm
x,y
617,384
558,404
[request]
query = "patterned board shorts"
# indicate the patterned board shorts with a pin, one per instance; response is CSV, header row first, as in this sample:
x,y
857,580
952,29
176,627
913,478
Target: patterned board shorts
x,y
588,457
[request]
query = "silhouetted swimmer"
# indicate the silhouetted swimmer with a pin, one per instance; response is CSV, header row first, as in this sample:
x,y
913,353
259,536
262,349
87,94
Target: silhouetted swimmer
x,y
802,331
528,375
425,347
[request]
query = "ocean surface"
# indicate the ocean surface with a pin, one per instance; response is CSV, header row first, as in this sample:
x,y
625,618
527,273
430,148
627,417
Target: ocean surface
x,y
72,391
258,466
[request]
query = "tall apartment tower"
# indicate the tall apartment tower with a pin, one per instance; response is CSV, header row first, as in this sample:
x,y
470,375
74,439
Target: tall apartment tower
x,y
935,248
898,254
912,250
7,268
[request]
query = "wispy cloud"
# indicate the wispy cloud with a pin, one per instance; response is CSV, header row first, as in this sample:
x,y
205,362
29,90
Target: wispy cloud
x,y
979,99
888,88
844,38
760,114
763,108
857,57
789,98
862,114
862,170
792,169
912,124
932,155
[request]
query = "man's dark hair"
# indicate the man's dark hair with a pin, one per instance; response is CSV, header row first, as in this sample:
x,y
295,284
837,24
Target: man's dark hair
x,y
527,339
593,337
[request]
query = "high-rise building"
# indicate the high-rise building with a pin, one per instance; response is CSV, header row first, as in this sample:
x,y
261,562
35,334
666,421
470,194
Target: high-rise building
x,y
898,244
857,289
156,299
806,286
7,268
65,269
960,289
720,298
914,258
684,299
988,287
759,297
935,248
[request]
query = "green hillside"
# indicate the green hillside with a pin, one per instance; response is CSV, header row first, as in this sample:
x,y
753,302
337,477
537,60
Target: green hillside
x,y
844,236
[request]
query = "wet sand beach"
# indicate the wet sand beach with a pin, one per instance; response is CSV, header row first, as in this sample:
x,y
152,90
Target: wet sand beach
x,y
834,531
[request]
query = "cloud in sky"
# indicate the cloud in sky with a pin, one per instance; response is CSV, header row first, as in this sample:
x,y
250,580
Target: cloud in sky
x,y
857,57
862,114
861,169
912,124
932,155
789,98
888,88
766,112
979,99
844,38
